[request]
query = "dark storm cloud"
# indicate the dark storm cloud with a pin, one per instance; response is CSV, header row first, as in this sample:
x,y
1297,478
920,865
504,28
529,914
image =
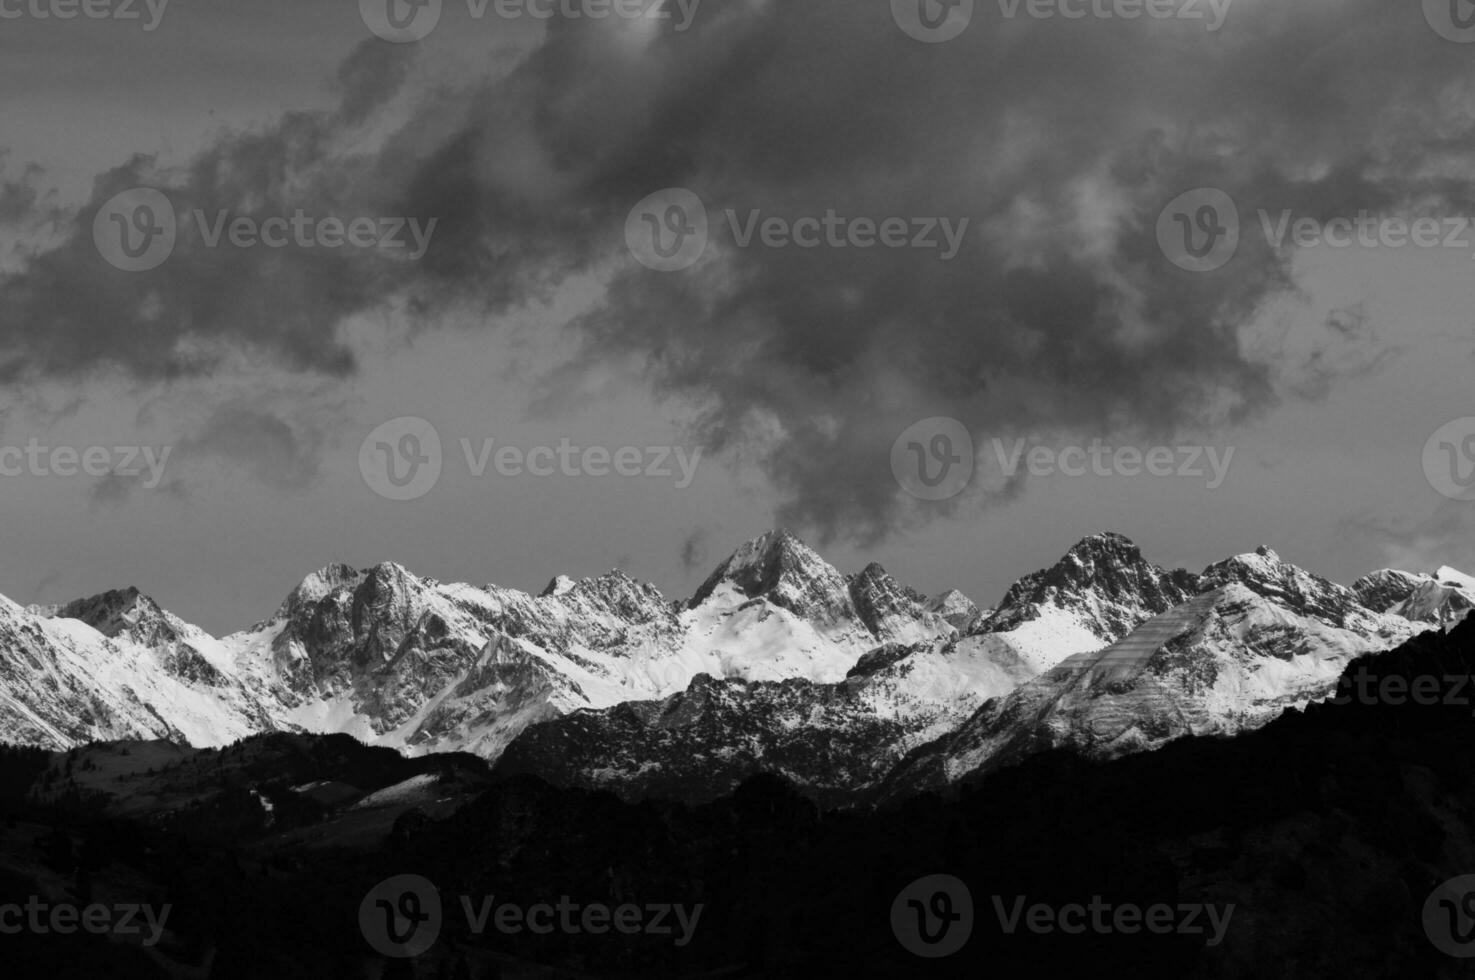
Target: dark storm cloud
x,y
68,311
1060,141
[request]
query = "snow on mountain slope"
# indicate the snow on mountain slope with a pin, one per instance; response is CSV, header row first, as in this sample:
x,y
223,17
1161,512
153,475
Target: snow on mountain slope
x,y
1442,599
1383,590
778,658
899,696
960,611
401,661
1100,591
62,682
1263,636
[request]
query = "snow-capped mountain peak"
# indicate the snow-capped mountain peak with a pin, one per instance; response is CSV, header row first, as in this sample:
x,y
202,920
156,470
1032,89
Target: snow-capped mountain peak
x,y
1104,583
961,612
1384,589
788,573
1444,598
1456,578
557,587
119,612
891,611
863,666
1265,573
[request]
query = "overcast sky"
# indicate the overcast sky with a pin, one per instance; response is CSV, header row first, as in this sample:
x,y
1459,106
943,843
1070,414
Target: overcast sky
x,y
1061,313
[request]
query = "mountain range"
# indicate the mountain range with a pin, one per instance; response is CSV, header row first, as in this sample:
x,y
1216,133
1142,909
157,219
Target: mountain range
x,y
855,688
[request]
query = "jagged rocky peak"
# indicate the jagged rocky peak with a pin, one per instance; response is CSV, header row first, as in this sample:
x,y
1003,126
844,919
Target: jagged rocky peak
x,y
1106,570
557,587
890,610
387,581
1113,563
1265,573
318,586
1383,590
878,596
338,603
787,572
619,594
111,613
958,610
124,613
